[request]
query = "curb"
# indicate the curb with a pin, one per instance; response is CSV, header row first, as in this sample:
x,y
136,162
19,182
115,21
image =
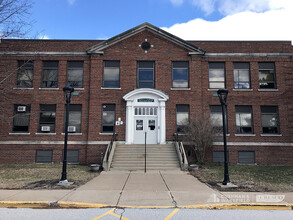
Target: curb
x,y
79,205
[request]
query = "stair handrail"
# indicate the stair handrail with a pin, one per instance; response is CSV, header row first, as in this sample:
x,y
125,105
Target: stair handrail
x,y
110,151
181,153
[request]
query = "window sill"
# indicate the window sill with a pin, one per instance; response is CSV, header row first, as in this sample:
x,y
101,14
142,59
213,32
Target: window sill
x,y
45,133
268,90
72,133
219,135
110,88
181,89
245,135
271,135
214,89
23,88
48,88
78,89
243,90
106,134
19,133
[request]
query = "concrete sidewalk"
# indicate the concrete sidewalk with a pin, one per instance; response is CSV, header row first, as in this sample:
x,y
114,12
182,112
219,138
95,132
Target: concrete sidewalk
x,y
136,189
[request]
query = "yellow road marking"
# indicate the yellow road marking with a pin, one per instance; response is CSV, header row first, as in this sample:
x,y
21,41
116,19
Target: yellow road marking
x,y
171,214
106,213
118,216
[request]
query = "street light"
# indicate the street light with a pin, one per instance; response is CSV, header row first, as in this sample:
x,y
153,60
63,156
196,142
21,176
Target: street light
x,y
68,93
222,94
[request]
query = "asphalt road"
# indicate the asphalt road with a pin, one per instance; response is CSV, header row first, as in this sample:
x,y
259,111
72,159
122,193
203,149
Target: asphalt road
x,y
140,214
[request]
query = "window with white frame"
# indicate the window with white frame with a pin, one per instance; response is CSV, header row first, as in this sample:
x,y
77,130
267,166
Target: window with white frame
x,y
244,124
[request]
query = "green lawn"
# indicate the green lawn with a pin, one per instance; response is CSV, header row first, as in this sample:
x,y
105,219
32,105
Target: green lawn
x,y
42,176
250,177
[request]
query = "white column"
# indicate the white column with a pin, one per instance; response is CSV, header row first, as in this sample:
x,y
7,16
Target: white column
x,y
129,122
162,123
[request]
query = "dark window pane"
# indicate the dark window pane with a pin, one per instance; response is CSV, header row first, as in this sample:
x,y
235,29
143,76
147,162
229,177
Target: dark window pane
x,y
25,74
146,85
75,116
182,117
146,64
111,73
269,119
218,156
180,64
50,74
50,64
47,118
44,156
266,75
108,117
246,157
72,156
145,74
180,74
21,118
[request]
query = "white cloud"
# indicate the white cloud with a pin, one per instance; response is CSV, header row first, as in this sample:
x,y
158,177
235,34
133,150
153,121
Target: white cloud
x,y
177,2
208,6
43,37
71,2
247,25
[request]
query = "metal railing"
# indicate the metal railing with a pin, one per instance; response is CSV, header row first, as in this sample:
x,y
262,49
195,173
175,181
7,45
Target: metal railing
x,y
180,152
145,155
110,152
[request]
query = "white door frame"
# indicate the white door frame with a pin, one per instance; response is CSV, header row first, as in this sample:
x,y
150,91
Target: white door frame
x,y
145,97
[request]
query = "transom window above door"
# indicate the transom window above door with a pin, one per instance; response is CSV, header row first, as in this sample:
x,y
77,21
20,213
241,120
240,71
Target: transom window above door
x,y
146,74
146,111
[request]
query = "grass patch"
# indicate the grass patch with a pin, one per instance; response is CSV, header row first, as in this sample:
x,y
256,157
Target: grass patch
x,y
251,178
42,176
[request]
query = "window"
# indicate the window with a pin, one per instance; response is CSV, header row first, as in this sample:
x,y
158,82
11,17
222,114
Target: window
x,y
111,77
21,118
246,157
50,74
44,156
216,75
270,120
75,73
216,117
180,74
74,123
218,157
266,74
241,76
182,117
244,120
108,118
25,74
47,118
146,74
72,156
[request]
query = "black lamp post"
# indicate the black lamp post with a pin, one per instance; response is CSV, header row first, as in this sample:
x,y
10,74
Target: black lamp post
x,y
223,93
68,93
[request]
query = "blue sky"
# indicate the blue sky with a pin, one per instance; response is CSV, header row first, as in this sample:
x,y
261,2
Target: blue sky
x,y
188,19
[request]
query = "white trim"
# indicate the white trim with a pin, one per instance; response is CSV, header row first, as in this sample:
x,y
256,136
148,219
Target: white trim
x,y
49,89
24,88
255,144
54,142
245,135
78,89
271,135
106,134
45,133
243,90
180,89
110,88
268,90
72,133
12,133
42,53
218,55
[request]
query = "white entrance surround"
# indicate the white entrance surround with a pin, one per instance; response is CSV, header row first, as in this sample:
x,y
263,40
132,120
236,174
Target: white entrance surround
x,y
145,97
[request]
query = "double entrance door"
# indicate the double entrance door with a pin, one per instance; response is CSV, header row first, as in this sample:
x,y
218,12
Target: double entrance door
x,y
145,123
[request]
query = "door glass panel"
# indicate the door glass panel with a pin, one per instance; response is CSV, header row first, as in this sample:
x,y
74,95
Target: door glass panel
x,y
152,125
139,125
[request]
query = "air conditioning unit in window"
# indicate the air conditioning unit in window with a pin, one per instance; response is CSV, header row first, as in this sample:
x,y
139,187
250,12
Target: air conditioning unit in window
x,y
45,128
71,129
21,108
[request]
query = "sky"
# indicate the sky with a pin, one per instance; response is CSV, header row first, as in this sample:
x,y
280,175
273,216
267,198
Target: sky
x,y
187,19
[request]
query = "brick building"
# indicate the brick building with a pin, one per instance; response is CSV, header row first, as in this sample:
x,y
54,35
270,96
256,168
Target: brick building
x,y
146,79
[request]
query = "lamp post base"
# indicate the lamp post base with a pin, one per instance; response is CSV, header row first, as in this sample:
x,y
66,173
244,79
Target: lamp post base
x,y
227,183
63,182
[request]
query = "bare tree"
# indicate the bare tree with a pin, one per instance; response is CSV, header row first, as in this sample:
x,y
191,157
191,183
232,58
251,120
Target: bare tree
x,y
200,133
14,18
